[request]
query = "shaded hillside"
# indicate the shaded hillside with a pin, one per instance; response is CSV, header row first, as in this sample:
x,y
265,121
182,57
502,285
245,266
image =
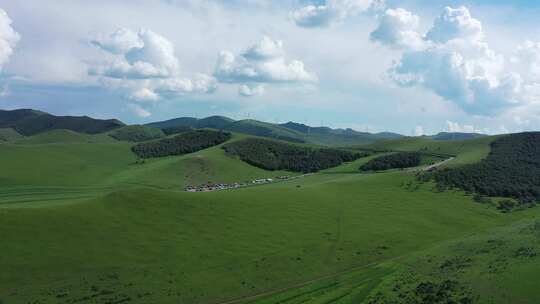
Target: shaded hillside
x,y
393,161
63,136
29,122
214,122
176,130
264,129
456,136
274,155
512,169
187,142
291,131
137,133
329,136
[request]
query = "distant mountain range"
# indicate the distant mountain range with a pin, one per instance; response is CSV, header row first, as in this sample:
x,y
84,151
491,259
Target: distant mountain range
x,y
27,122
290,131
456,136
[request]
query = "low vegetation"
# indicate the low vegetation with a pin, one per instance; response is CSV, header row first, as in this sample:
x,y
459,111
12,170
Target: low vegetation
x,y
8,134
512,169
393,161
137,133
187,142
106,227
274,155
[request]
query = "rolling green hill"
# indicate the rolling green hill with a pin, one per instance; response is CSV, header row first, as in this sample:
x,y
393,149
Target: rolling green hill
x,y
293,132
264,129
30,122
86,222
214,122
64,136
137,133
466,151
337,137
8,134
456,136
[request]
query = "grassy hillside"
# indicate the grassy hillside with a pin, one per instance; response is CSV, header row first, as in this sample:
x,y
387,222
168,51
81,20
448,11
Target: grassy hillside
x,y
64,136
87,223
293,132
8,134
30,122
466,151
337,137
214,122
137,133
455,136
259,128
268,237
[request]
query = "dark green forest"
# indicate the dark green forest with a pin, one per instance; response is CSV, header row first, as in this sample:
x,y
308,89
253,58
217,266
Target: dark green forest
x,y
512,169
187,142
176,130
137,133
274,155
393,161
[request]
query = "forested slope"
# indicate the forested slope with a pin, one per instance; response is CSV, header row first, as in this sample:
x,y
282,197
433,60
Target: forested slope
x,y
181,144
512,169
275,155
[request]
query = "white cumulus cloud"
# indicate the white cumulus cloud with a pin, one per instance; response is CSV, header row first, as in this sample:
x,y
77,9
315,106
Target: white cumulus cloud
x,y
332,12
8,38
144,94
261,63
248,90
120,41
139,111
145,65
455,23
452,126
452,59
201,83
144,54
398,28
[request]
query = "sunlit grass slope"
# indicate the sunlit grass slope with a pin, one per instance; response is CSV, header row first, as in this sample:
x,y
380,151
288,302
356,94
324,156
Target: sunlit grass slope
x,y
8,134
199,248
89,223
467,151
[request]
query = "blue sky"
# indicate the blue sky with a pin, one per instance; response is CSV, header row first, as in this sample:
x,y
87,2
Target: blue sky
x,y
414,67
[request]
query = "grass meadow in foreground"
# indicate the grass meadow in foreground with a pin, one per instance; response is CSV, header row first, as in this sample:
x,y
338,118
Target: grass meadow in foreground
x,y
86,223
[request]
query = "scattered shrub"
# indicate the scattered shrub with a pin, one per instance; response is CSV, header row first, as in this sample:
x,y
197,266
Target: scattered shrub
x,y
481,199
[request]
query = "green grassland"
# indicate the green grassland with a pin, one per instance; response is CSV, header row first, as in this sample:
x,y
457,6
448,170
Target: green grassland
x,y
8,134
86,222
136,133
466,151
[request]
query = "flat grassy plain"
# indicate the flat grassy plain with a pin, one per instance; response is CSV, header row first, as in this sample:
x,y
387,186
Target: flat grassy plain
x,y
86,223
